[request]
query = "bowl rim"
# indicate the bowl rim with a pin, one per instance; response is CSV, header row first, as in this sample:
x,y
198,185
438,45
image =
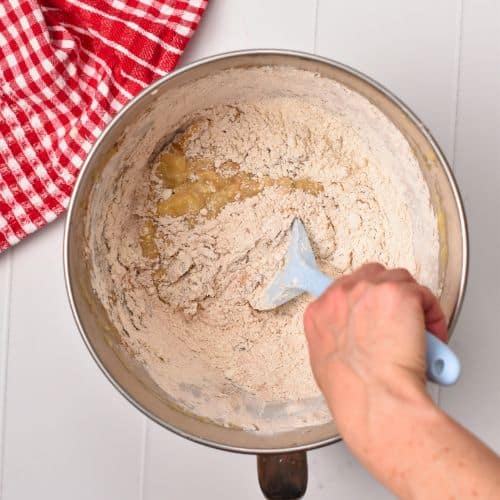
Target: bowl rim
x,y
152,88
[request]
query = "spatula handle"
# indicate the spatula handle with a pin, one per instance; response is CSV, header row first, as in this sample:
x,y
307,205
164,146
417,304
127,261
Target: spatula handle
x,y
443,366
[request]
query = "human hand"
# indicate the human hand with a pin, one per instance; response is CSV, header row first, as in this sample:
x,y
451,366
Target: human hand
x,y
367,347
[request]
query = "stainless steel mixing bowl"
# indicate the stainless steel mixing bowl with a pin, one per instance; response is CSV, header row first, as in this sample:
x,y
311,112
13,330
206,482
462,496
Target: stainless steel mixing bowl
x,y
99,335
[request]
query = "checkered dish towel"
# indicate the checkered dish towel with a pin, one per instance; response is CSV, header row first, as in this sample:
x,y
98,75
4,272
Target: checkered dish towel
x,y
66,67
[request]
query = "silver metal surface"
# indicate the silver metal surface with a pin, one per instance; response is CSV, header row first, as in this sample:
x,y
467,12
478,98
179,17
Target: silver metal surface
x,y
125,374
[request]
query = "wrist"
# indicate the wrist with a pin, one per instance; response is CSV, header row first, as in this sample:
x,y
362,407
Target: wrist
x,y
398,410
375,401
401,416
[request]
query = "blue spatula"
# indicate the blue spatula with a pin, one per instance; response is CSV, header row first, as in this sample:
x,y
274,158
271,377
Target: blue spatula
x,y
300,274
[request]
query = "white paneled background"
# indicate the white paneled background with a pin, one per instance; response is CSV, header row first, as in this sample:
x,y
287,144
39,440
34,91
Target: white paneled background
x,y
66,433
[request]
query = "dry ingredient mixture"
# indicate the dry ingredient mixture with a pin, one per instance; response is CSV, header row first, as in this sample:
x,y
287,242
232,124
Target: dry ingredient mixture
x,y
206,231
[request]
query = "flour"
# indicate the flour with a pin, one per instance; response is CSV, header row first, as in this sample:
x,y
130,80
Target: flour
x,y
187,312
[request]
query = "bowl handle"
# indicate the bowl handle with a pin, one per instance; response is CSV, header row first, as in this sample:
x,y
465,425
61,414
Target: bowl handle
x,y
283,476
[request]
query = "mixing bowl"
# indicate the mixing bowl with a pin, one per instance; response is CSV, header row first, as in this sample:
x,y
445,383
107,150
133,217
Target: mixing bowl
x,y
148,120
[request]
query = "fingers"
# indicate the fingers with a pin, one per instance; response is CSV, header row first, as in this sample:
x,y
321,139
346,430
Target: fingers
x,y
399,275
370,271
356,283
367,272
374,272
327,313
435,320
370,274
321,339
332,306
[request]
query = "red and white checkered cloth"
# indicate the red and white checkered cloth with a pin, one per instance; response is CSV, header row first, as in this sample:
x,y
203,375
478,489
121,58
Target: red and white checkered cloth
x,y
66,67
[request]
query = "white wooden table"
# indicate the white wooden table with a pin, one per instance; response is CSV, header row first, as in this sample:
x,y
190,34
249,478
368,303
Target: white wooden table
x,y
65,431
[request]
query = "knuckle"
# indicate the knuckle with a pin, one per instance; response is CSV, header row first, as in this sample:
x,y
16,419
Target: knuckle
x,y
363,283
338,297
341,282
335,293
395,294
403,273
361,286
373,267
390,291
